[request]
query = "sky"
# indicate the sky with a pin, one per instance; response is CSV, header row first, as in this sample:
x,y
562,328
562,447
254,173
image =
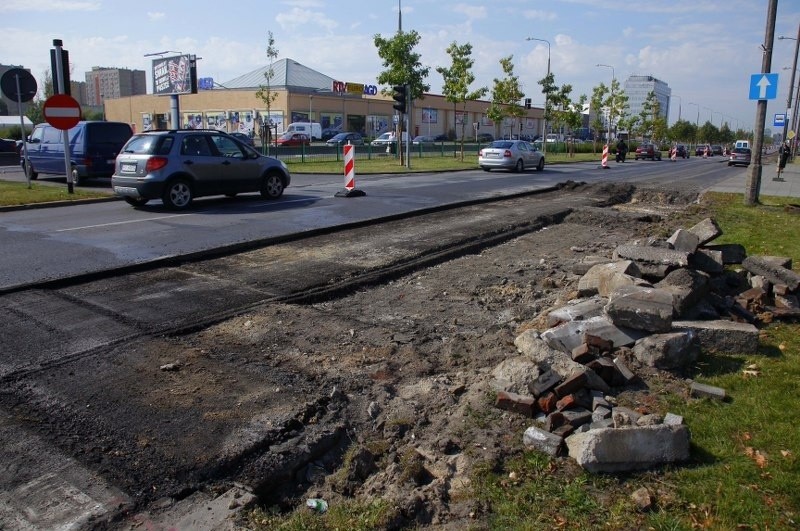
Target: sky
x,y
705,50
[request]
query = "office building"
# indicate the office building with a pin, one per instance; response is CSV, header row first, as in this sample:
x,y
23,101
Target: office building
x,y
637,88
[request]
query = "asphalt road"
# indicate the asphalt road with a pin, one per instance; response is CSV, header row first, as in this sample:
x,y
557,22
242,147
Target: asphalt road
x,y
56,243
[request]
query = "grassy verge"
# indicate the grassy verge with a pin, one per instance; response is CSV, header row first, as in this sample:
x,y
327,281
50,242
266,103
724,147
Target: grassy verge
x,y
743,472
13,193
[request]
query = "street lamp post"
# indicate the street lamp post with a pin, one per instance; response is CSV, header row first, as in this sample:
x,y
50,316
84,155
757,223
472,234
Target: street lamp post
x,y
611,100
696,122
546,95
791,82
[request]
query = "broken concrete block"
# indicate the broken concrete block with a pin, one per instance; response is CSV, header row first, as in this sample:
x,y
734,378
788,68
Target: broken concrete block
x,y
757,281
671,419
588,262
732,253
524,405
699,390
761,265
605,369
601,413
651,419
687,287
625,373
707,260
673,350
577,311
642,499
602,278
542,440
787,301
652,255
619,450
706,231
648,309
577,416
567,336
684,240
722,335
514,374
599,400
571,384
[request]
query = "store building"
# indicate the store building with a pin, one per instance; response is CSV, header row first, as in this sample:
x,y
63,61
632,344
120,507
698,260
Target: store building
x,y
303,94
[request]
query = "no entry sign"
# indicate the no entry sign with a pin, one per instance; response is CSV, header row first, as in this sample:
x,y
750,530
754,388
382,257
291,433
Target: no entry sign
x,y
62,111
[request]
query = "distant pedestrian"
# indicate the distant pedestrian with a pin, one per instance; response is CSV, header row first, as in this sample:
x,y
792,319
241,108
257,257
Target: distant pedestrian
x,y
783,156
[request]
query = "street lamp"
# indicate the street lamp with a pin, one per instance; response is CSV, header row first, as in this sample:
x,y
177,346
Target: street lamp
x,y
546,95
696,122
791,82
610,101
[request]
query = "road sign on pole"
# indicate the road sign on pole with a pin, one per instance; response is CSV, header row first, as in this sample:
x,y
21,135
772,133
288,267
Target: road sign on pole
x,y
62,111
780,120
763,86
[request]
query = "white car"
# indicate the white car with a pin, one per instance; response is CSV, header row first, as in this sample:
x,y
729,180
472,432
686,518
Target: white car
x,y
384,140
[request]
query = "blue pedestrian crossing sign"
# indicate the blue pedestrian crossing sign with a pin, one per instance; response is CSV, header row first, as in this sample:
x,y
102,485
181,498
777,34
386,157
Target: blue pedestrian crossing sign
x,y
763,86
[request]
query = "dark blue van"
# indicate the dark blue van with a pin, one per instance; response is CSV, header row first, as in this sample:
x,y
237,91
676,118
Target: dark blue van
x,y
94,146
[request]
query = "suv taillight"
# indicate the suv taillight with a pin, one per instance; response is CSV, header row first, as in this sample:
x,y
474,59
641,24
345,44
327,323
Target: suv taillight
x,y
155,163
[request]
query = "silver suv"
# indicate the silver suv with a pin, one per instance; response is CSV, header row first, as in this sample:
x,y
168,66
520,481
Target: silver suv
x,y
178,165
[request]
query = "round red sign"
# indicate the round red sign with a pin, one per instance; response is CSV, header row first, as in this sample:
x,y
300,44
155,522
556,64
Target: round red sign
x,y
62,111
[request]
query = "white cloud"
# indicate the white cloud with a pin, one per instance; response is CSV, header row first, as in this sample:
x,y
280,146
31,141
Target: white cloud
x,y
155,15
471,12
55,5
304,18
535,14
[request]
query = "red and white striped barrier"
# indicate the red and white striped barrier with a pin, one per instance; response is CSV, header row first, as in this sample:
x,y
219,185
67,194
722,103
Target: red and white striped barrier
x,y
605,156
350,174
349,167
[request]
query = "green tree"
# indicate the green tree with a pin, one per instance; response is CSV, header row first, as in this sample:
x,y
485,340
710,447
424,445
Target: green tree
x,y
648,115
34,111
265,92
457,80
506,95
682,131
572,115
599,94
708,132
402,67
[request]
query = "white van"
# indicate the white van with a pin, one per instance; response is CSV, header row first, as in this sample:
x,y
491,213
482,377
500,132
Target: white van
x,y
312,129
742,144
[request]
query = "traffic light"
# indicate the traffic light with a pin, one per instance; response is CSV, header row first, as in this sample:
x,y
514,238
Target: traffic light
x,y
400,96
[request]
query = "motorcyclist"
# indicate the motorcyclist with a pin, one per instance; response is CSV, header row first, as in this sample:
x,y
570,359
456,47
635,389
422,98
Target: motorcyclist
x,y
622,150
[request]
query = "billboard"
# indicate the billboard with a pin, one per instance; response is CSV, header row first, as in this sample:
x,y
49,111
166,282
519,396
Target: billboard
x,y
175,75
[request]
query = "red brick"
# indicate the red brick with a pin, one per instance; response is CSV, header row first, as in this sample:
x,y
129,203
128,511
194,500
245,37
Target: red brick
x,y
565,403
603,345
525,405
577,381
582,354
547,402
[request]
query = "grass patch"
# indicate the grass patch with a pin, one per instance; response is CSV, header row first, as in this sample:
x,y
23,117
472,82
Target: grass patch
x,y
380,164
13,193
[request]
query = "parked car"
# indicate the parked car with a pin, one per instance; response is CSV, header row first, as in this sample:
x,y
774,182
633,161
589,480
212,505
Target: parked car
x,y
342,139
7,145
384,139
647,151
716,149
484,137
94,146
247,139
423,139
179,165
515,155
293,139
702,149
441,138
739,156
682,152
329,133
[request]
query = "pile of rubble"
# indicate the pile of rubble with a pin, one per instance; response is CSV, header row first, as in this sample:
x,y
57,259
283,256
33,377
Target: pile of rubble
x,y
657,303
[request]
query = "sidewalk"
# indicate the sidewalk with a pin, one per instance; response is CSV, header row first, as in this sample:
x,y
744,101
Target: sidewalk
x,y
788,186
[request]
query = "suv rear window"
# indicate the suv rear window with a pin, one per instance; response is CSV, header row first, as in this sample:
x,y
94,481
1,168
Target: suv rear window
x,y
112,133
149,145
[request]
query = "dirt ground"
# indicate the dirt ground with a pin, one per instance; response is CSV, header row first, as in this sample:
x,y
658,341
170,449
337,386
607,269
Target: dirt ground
x,y
407,366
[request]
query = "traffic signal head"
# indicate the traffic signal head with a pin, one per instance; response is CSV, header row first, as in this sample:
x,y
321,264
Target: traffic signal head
x,y
400,96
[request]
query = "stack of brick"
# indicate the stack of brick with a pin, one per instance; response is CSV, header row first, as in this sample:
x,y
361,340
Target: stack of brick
x,y
660,302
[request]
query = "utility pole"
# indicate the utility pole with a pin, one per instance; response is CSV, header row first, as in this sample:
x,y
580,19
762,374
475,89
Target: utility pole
x,y
753,184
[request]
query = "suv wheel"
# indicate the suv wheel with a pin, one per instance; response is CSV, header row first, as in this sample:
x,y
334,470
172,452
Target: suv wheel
x,y
75,176
178,195
272,187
